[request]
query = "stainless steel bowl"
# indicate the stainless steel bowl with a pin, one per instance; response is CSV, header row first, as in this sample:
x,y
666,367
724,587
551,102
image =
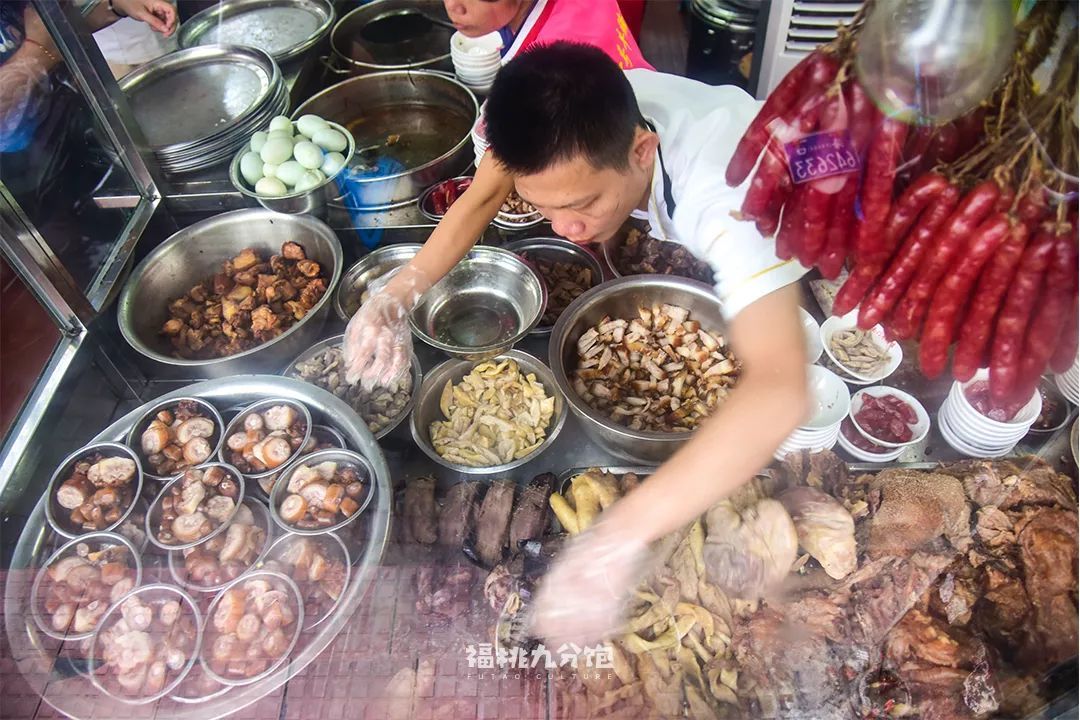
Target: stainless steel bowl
x,y
331,543
356,280
400,102
278,27
557,250
487,303
621,298
426,203
176,558
95,540
1052,396
347,457
423,52
427,408
195,254
417,378
304,202
58,516
148,594
278,580
153,516
134,438
237,425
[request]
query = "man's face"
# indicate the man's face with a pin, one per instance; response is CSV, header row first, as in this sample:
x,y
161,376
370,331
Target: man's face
x,y
586,204
474,18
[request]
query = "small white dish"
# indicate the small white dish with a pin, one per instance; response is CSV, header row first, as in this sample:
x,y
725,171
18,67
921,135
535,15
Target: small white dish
x,y
860,454
918,430
834,324
813,336
829,399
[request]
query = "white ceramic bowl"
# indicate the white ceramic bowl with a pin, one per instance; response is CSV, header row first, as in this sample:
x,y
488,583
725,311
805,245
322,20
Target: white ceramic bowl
x,y
829,399
1025,417
918,430
860,454
803,436
1070,391
787,447
813,336
485,44
834,324
965,448
976,434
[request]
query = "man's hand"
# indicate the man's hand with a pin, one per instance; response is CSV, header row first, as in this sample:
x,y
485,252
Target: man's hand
x,y
583,598
378,348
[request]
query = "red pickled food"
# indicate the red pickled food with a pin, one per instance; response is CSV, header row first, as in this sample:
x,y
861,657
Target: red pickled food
x,y
978,394
887,418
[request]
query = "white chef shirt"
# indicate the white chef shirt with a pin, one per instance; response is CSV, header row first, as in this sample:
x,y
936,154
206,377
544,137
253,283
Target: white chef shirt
x,y
699,126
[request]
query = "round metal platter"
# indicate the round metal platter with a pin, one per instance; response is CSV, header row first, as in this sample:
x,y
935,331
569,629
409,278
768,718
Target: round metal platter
x,y
56,677
284,29
194,96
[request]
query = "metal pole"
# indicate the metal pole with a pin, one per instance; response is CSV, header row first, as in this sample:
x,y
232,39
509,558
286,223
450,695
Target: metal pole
x,y
91,72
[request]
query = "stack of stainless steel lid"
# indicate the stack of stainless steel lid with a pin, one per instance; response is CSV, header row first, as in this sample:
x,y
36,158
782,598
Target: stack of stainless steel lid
x,y
197,107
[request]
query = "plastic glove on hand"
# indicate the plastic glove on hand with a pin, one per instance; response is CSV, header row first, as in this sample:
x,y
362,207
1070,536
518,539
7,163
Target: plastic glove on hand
x,y
378,342
584,596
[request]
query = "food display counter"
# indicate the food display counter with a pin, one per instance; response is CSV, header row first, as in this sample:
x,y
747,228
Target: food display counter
x,y
202,519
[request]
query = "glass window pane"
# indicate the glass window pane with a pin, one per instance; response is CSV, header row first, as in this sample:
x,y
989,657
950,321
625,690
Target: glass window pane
x,y
53,159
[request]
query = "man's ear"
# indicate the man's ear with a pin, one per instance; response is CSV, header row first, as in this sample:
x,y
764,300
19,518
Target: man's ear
x,y
643,148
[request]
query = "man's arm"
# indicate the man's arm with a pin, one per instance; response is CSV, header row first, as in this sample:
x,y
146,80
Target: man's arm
x,y
769,401
457,232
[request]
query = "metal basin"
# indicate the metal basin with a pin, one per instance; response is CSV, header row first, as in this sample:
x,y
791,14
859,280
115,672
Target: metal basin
x,y
620,298
487,303
556,250
431,114
195,254
427,411
392,35
284,29
356,280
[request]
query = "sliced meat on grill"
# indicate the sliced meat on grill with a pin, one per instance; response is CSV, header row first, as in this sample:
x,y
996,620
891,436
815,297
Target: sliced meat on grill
x,y
421,519
459,513
491,534
530,517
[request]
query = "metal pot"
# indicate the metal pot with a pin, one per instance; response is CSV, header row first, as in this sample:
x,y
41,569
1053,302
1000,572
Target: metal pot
x,y
407,102
195,254
621,298
390,35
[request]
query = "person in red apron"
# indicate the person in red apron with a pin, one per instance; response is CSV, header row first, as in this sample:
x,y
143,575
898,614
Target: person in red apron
x,y
524,23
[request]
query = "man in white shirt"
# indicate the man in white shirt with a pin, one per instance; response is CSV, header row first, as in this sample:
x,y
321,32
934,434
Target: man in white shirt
x,y
588,144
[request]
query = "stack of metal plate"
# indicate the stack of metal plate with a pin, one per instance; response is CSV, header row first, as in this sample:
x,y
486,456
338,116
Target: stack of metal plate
x,y
197,107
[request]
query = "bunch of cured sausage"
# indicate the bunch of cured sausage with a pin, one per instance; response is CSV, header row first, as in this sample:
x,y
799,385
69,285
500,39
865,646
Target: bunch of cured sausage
x,y
962,234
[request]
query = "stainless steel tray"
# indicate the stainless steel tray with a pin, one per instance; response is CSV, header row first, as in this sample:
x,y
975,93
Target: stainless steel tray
x,y
191,97
285,29
58,682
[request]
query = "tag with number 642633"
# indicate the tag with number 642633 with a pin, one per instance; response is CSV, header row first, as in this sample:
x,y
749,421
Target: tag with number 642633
x,y
821,155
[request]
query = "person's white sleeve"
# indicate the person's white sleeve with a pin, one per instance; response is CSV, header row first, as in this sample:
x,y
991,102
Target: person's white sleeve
x,y
744,261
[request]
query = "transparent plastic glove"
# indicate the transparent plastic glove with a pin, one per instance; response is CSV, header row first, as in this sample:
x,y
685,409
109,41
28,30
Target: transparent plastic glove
x,y
583,598
378,345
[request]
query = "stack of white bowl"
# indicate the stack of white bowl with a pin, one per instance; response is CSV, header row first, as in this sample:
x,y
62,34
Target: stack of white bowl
x,y
887,451
1068,382
829,405
476,60
479,138
971,433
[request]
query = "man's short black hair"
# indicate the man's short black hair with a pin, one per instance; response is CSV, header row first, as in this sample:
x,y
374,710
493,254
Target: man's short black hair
x,y
560,101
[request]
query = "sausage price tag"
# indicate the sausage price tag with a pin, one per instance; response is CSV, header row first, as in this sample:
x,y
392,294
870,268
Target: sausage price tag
x,y
821,155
